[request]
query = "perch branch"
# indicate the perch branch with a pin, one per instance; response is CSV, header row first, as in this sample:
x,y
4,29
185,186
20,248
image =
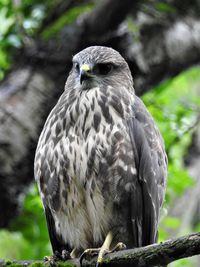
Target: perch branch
x,y
149,256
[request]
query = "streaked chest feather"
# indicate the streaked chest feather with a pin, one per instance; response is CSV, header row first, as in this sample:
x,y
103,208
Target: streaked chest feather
x,y
84,147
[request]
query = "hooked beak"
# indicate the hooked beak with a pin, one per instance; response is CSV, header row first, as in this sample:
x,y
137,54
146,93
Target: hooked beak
x,y
85,72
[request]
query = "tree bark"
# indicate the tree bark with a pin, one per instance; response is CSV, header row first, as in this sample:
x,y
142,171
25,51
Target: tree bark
x,y
22,97
149,256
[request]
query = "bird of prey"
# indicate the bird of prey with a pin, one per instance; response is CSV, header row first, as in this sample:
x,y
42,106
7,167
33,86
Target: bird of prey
x,y
100,162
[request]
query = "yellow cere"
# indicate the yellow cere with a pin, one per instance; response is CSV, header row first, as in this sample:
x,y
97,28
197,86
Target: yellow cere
x,y
85,67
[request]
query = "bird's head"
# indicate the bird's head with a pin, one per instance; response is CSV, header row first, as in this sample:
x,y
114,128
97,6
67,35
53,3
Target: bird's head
x,y
98,66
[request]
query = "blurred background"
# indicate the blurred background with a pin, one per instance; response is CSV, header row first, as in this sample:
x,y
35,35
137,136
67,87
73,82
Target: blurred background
x,y
160,41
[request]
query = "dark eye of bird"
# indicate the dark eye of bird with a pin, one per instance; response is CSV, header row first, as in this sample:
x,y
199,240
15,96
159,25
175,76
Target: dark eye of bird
x,y
76,66
103,68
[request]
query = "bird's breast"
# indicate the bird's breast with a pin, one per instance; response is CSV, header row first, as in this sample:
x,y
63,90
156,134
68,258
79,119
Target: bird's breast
x,y
82,158
97,132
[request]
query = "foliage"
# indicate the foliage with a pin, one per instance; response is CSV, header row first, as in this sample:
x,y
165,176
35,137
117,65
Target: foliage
x,y
22,19
27,238
12,245
17,19
67,18
175,105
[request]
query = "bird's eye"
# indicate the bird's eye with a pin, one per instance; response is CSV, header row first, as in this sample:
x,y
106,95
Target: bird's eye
x,y
76,66
103,68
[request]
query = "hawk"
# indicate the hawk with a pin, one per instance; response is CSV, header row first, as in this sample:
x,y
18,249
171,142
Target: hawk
x,y
100,163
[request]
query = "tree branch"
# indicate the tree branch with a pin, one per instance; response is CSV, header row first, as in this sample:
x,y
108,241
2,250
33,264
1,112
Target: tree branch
x,y
149,256
164,49
116,11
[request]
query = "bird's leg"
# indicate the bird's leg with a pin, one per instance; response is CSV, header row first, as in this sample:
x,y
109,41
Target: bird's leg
x,y
74,254
105,249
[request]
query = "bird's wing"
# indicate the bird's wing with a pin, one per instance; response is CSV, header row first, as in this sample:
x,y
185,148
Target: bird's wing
x,y
151,165
58,245
48,183
56,242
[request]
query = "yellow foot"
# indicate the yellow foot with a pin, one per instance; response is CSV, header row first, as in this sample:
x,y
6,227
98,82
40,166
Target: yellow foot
x,y
101,252
50,260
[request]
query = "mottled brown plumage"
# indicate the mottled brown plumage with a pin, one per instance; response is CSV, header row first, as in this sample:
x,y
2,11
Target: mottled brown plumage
x,y
100,163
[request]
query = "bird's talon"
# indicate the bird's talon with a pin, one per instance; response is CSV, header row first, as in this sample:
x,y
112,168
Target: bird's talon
x,y
118,247
81,258
65,255
88,253
99,262
50,260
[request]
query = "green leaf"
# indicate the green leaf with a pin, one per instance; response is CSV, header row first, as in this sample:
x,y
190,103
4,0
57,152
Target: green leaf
x,y
182,263
172,222
4,60
65,19
14,246
32,225
5,21
165,7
